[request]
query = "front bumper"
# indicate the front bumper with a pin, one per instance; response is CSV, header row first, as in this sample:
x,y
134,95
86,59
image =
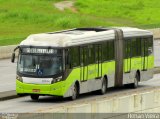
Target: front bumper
x,y
57,89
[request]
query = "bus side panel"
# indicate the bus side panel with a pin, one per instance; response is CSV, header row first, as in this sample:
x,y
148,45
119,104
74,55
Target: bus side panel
x,y
150,62
148,74
70,81
92,83
108,68
91,71
126,71
130,72
136,63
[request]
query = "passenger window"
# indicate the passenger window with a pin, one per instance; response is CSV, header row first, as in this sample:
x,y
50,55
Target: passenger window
x,y
134,48
91,54
105,51
150,46
111,50
74,51
85,56
138,46
96,53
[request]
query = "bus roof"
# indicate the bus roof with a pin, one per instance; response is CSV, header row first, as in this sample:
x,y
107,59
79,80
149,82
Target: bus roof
x,y
80,36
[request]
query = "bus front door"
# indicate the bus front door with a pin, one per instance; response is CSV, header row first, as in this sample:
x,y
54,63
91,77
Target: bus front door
x,y
144,51
127,64
83,70
83,63
98,57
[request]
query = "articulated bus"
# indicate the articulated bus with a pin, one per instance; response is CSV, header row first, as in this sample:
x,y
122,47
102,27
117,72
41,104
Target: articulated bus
x,y
76,61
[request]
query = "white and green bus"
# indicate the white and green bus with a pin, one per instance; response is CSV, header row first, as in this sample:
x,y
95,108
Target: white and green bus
x,y
76,61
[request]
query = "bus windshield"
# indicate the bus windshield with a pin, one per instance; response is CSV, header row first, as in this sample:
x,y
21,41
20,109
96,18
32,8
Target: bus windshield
x,y
39,65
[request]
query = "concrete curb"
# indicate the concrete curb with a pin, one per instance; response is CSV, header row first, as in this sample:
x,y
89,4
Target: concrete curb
x,y
6,51
8,95
139,101
156,32
156,70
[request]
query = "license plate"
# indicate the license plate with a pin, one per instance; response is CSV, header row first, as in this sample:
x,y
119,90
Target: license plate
x,y
36,90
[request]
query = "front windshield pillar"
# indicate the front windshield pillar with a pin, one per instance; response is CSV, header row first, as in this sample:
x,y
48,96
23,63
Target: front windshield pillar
x,y
63,60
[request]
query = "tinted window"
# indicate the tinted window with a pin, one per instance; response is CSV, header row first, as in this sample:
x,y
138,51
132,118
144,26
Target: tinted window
x,y
150,46
85,56
146,47
105,51
81,56
138,40
74,53
67,59
134,48
91,54
97,53
127,48
110,50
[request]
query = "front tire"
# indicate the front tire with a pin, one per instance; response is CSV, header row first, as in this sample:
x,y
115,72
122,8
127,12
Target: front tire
x,y
75,92
34,97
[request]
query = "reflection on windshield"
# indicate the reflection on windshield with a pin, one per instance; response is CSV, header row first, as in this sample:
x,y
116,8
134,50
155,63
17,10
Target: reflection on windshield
x,y
40,65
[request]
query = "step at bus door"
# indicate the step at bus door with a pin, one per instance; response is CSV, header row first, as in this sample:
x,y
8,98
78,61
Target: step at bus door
x,y
83,63
98,58
144,51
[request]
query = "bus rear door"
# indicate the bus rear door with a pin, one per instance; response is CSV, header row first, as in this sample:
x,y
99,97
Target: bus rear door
x,y
98,57
83,63
127,64
144,51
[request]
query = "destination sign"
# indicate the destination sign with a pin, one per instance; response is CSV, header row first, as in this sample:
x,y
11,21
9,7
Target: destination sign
x,y
40,51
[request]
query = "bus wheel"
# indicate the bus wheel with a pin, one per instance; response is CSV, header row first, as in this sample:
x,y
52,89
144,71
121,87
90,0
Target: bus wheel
x,y
136,79
21,95
34,97
104,86
74,92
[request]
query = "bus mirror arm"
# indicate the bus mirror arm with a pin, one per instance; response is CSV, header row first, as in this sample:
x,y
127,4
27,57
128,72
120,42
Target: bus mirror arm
x,y
13,57
13,54
16,48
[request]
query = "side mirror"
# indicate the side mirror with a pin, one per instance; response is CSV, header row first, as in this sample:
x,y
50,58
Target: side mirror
x,y
13,57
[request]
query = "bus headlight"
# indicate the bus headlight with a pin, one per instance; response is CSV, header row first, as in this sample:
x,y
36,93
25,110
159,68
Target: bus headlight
x,y
58,79
19,78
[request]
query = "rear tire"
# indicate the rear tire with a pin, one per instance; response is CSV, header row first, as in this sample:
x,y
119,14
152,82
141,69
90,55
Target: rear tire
x,y
104,87
34,97
136,80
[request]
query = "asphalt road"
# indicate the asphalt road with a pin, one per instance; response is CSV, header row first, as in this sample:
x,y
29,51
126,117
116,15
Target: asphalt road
x,y
25,104
7,75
